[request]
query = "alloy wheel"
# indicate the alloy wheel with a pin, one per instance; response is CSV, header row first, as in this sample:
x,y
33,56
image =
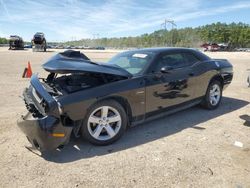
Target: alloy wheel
x,y
104,123
214,94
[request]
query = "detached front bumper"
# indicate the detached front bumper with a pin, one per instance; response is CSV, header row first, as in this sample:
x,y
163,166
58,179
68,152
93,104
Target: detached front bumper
x,y
46,133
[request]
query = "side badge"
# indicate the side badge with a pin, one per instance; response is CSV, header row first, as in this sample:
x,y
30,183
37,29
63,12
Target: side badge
x,y
217,64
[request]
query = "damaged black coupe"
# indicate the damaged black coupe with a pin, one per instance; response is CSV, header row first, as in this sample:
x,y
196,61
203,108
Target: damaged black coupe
x,y
99,100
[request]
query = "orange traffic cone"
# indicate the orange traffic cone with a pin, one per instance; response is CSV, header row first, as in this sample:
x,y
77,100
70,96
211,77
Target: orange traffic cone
x,y
27,73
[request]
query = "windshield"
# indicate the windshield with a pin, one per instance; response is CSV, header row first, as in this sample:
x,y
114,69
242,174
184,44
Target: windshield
x,y
133,62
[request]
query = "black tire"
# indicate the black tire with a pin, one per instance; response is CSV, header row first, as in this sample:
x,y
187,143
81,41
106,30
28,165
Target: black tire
x,y
85,126
207,103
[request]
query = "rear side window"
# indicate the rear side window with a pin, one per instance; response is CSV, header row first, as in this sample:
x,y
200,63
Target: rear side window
x,y
190,58
175,60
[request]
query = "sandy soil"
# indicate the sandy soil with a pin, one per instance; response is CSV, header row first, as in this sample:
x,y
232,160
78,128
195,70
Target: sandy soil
x,y
192,148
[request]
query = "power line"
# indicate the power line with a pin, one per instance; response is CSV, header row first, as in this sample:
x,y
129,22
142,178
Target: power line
x,y
164,24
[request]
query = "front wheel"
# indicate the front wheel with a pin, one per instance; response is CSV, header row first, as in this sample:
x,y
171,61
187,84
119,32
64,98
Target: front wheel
x,y
105,122
213,95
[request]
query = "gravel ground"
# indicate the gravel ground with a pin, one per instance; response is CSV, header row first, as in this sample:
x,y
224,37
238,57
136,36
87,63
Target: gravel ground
x,y
192,148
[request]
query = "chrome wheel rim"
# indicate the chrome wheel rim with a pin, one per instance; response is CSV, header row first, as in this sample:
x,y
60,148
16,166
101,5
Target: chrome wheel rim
x,y
215,95
104,123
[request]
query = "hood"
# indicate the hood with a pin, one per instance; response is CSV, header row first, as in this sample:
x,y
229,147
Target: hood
x,y
72,61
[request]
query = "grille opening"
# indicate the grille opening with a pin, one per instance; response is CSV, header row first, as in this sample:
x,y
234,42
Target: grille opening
x,y
67,122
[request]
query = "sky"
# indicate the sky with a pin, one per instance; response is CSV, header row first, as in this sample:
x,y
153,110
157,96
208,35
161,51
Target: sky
x,y
64,20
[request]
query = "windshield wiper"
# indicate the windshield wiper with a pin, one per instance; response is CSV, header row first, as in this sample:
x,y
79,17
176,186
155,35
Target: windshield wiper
x,y
94,63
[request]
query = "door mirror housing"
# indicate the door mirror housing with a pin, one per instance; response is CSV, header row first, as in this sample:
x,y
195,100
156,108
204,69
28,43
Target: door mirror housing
x,y
166,69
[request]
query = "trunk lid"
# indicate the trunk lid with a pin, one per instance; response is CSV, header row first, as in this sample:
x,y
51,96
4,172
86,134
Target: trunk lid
x,y
223,62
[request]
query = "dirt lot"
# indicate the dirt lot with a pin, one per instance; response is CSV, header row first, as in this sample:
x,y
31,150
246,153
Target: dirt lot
x,y
192,148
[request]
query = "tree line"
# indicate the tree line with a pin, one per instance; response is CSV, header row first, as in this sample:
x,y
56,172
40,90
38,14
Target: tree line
x,y
3,40
236,35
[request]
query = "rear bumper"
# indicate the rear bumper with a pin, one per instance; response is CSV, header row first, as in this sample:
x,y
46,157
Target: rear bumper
x,y
45,133
227,79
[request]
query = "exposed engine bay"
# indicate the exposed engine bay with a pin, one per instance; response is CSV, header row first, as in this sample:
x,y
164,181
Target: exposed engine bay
x,y
73,82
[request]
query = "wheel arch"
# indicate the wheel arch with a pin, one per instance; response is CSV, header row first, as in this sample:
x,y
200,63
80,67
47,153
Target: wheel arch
x,y
123,102
205,102
219,78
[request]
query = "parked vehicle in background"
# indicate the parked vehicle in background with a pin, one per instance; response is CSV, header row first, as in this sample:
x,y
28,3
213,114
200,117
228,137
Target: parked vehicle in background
x,y
39,42
59,47
100,48
99,100
16,43
27,46
210,47
243,49
214,47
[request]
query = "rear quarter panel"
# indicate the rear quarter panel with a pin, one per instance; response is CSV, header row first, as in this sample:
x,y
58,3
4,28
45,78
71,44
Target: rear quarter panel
x,y
207,70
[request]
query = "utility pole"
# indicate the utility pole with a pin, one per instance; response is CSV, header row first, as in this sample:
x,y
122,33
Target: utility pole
x,y
164,24
165,27
173,24
95,37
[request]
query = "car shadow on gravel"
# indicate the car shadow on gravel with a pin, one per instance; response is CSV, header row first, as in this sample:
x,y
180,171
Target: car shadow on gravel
x,y
146,132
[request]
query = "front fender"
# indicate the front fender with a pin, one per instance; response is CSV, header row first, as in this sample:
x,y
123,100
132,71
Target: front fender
x,y
76,105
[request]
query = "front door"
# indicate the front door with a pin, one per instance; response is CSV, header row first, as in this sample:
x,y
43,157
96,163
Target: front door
x,y
170,88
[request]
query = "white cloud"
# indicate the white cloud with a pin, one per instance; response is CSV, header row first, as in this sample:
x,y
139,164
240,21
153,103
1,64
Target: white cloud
x,y
79,19
213,11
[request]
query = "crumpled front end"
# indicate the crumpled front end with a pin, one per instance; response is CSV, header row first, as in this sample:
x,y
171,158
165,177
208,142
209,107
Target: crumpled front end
x,y
43,125
46,133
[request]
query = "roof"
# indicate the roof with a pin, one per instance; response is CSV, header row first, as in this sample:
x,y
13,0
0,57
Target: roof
x,y
172,49
163,49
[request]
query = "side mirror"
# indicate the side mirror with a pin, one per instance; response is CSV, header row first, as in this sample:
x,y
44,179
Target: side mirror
x,y
166,69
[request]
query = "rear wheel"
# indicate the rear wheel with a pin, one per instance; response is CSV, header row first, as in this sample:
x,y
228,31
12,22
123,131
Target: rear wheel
x,y
213,95
105,122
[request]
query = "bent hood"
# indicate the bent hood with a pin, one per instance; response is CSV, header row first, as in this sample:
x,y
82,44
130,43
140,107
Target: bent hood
x,y
73,61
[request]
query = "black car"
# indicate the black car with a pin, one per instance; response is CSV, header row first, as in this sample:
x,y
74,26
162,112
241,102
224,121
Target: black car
x,y
99,100
100,48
